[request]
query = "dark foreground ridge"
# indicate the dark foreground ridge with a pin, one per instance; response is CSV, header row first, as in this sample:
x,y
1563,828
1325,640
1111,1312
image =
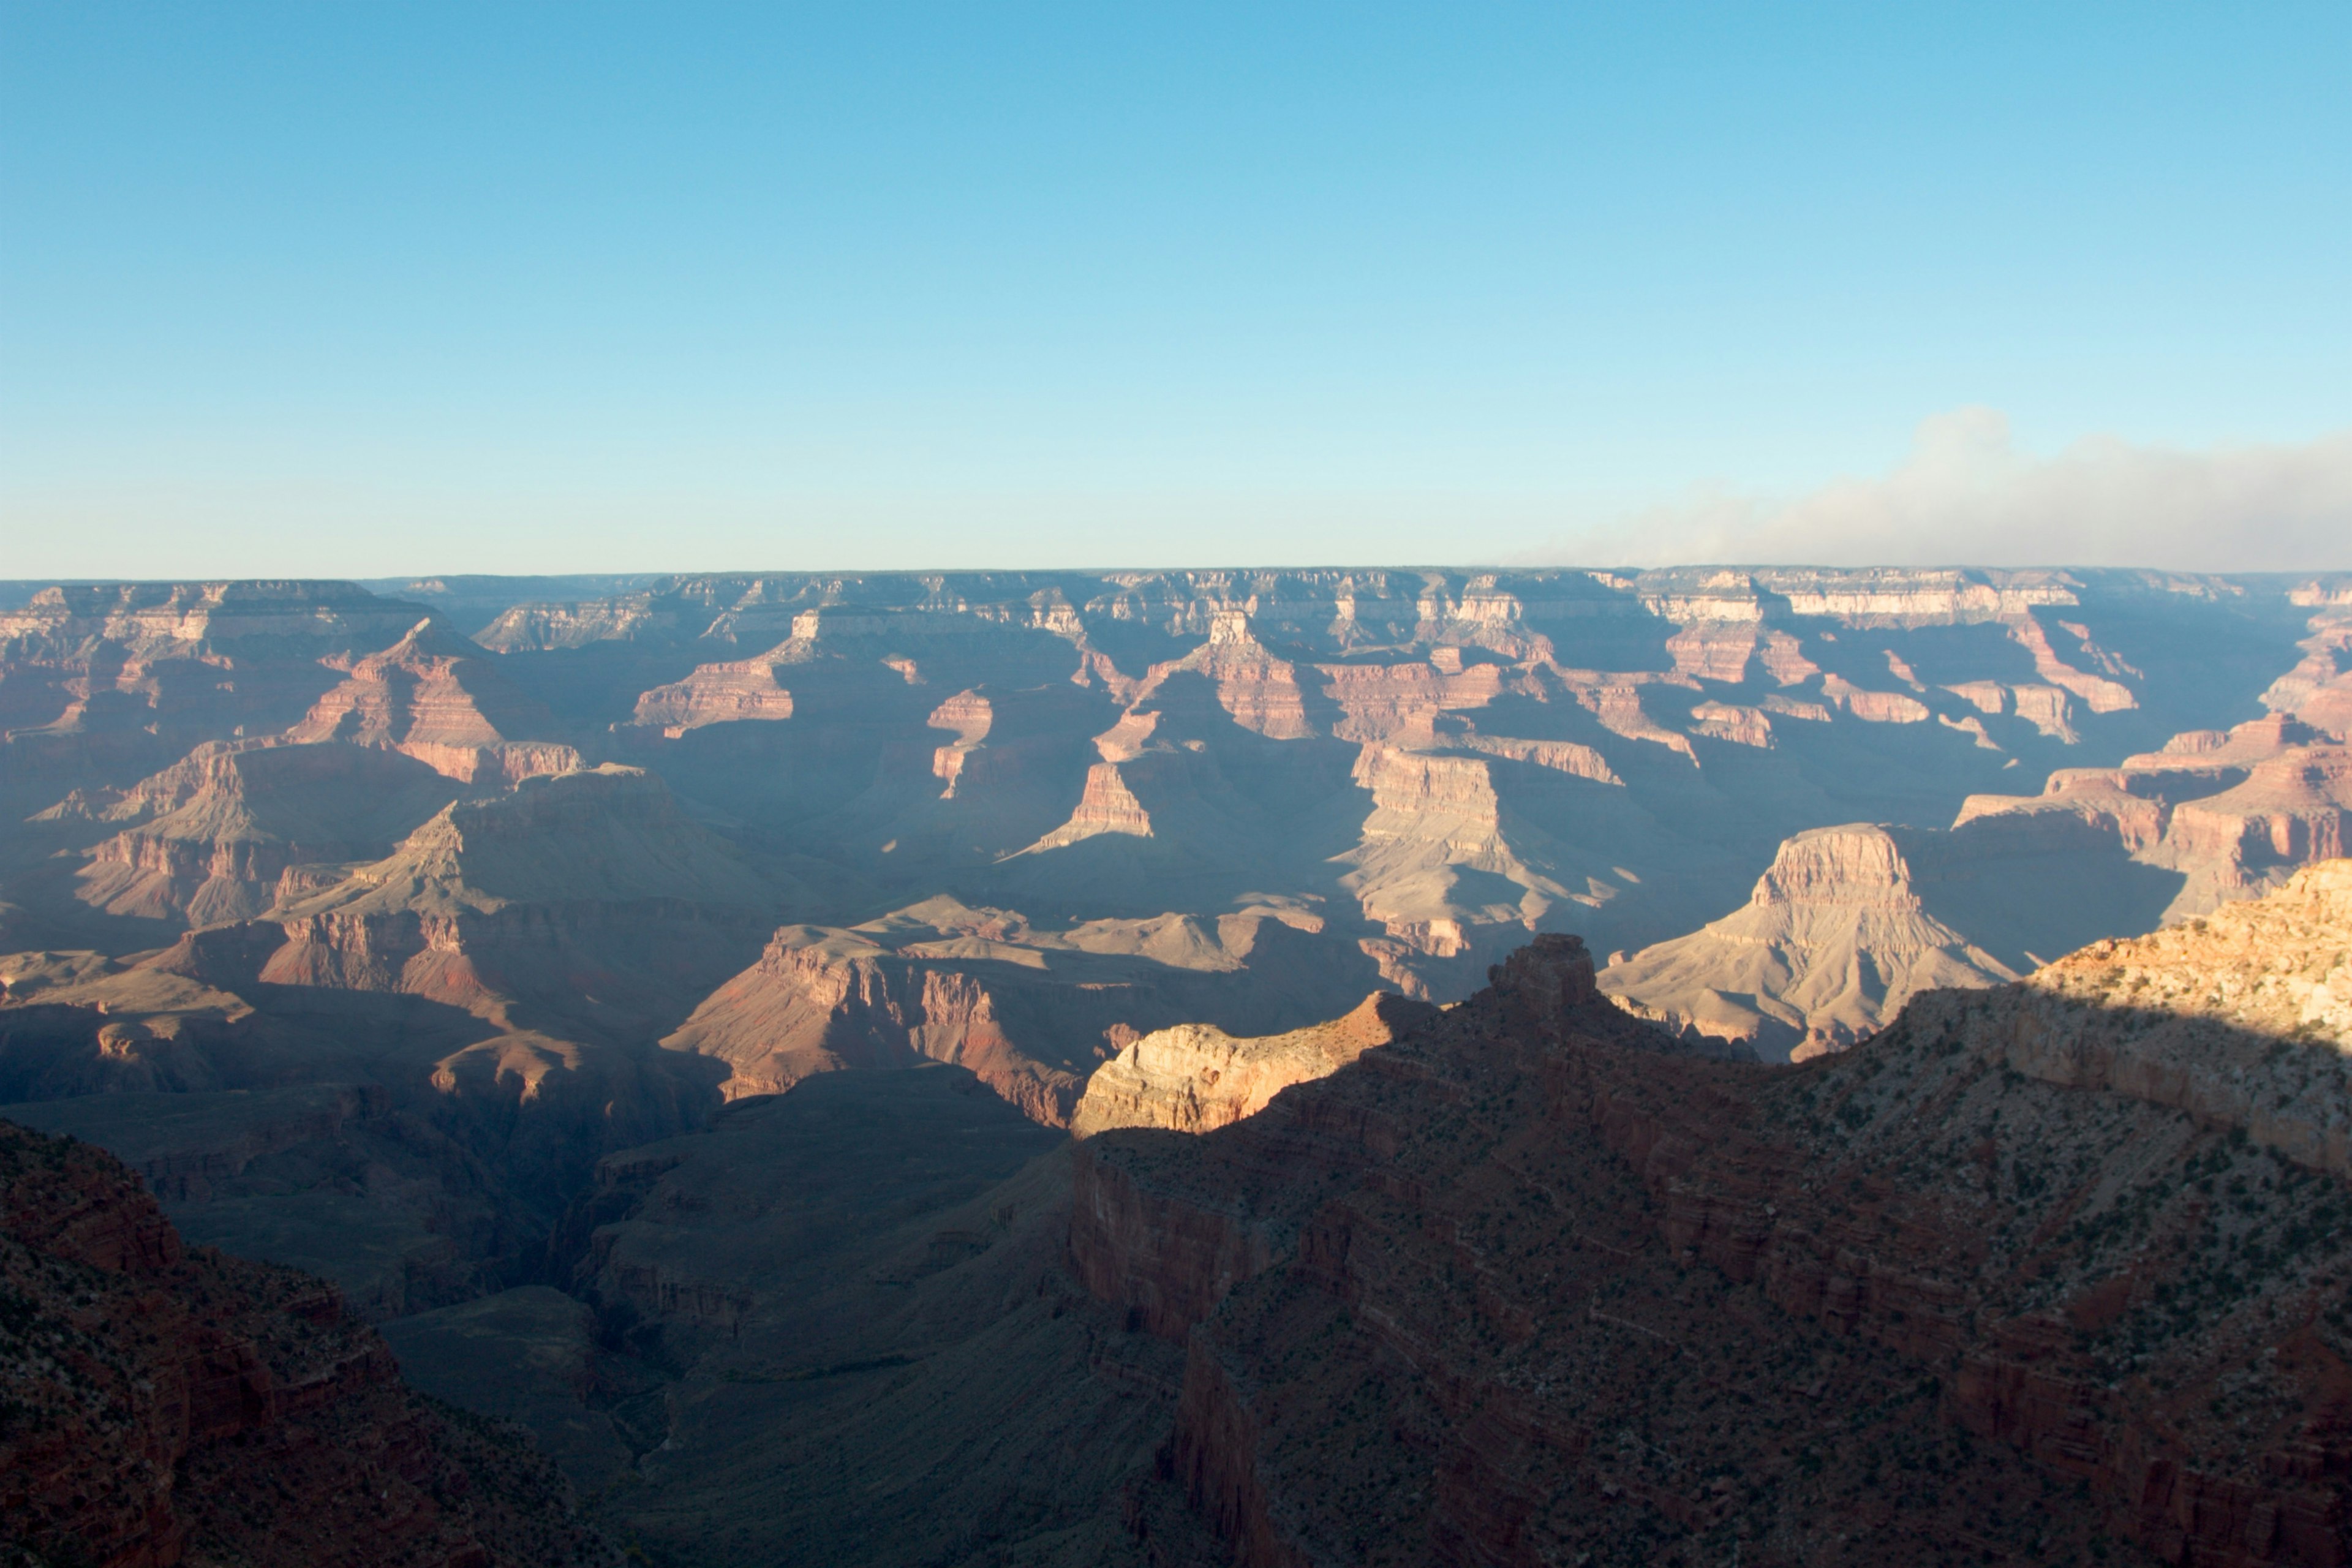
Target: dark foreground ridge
x,y
166,1404
2031,1277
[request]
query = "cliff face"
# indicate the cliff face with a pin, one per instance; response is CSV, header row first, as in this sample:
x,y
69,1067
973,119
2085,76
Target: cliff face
x,y
1031,1012
2029,1274
439,698
1196,1076
716,694
211,838
168,1406
815,1003
100,685
586,897
2234,814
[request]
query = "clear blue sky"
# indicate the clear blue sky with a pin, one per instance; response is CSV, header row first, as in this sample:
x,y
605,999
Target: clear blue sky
x,y
387,287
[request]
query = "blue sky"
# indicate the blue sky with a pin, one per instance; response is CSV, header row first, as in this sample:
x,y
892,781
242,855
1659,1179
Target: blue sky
x,y
359,289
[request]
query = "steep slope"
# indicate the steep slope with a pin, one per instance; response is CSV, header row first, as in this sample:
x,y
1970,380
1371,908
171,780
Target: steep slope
x,y
105,683
2035,1273
215,837
439,698
167,1405
1032,1012
2233,812
1832,943
587,899
840,1327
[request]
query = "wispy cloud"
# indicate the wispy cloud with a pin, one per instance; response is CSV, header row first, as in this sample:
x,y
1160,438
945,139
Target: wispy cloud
x,y
1966,495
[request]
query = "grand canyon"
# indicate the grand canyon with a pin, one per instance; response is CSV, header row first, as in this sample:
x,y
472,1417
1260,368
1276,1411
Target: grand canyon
x,y
1509,1067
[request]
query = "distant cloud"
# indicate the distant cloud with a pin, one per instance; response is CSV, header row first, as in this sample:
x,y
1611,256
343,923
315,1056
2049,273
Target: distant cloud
x,y
1966,495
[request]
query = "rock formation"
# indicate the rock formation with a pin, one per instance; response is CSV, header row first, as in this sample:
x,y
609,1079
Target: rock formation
x,y
222,835
103,684
716,694
1031,1012
388,1023
1832,943
168,1406
2034,1269
587,882
1196,1076
436,696
2233,812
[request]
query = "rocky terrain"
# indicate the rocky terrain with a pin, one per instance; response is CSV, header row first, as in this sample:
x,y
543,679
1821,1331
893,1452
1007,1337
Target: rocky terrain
x,y
1834,939
2035,1273
168,1406
372,925
2231,812
2048,1272
1194,1078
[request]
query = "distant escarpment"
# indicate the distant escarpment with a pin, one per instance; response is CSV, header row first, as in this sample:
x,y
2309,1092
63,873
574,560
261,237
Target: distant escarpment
x,y
168,1406
2052,1272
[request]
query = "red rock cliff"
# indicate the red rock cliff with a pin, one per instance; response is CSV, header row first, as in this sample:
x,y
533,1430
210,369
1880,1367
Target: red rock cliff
x,y
1517,1289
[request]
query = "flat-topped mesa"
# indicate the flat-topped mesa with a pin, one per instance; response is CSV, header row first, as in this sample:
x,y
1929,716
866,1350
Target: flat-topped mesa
x,y
1850,866
1833,942
1194,1078
1421,795
1401,702
437,698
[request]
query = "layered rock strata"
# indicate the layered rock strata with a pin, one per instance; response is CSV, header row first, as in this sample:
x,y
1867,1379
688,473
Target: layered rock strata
x,y
213,837
1832,943
436,696
1033,1013
585,887
2235,812
1520,1289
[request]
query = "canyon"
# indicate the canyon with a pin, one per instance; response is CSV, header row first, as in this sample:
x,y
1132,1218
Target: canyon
x,y
664,1006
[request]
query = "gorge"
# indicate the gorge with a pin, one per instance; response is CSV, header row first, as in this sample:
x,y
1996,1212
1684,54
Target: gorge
x,y
1288,1068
